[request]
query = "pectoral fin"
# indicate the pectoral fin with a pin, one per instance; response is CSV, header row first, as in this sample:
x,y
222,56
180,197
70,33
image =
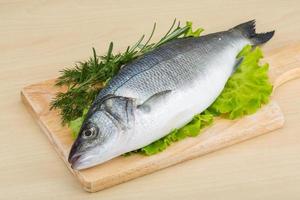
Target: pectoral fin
x,y
146,105
237,63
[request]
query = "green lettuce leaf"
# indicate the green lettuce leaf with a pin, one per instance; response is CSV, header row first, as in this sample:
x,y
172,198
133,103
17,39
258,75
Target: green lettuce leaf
x,y
190,32
75,125
247,89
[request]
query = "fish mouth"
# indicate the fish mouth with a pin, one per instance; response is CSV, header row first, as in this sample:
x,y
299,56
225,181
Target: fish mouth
x,y
80,161
74,160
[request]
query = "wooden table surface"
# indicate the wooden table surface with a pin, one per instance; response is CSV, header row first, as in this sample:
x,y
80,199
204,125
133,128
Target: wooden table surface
x,y
39,38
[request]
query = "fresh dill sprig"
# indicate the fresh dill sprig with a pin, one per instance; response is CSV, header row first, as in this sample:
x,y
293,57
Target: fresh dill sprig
x,y
85,80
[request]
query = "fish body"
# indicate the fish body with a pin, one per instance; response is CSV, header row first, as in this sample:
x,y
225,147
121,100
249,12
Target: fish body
x,y
159,92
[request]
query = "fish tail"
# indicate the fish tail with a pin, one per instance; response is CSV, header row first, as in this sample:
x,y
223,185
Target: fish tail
x,y
248,30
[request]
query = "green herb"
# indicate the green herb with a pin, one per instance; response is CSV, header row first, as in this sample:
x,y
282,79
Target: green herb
x,y
85,80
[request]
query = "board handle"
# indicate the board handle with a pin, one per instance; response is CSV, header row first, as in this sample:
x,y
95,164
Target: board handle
x,y
284,64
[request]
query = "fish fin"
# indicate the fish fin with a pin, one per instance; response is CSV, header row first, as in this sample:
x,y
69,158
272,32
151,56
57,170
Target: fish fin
x,y
248,30
146,105
237,64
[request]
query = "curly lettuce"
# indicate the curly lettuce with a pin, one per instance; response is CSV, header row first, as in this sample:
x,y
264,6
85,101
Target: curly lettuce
x,y
75,125
190,32
247,89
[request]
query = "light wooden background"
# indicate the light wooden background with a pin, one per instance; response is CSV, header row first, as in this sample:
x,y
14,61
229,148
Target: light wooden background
x,y
38,38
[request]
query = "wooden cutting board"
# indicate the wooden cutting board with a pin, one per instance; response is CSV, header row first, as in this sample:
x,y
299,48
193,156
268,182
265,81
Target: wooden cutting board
x,y
284,65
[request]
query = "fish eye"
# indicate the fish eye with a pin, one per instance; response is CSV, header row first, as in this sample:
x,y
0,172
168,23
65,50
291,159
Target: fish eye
x,y
89,132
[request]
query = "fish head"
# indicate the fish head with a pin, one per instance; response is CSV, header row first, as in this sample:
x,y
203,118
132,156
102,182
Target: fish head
x,y
101,137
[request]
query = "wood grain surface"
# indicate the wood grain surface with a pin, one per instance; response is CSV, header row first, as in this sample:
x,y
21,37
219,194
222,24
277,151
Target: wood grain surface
x,y
38,38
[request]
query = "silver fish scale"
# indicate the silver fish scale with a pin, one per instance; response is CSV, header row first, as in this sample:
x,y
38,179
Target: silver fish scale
x,y
169,67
